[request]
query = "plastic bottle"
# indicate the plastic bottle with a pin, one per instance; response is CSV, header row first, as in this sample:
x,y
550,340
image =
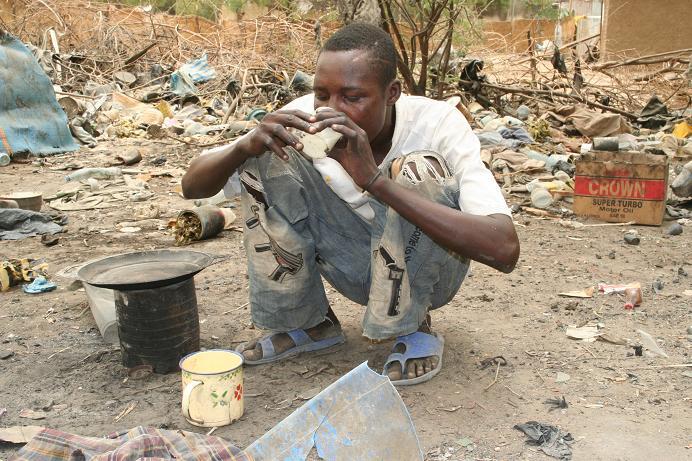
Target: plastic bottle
x,y
4,159
554,185
97,173
541,198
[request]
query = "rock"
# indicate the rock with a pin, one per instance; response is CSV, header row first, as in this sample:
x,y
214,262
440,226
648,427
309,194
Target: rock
x,y
674,229
523,112
6,355
632,237
689,330
682,186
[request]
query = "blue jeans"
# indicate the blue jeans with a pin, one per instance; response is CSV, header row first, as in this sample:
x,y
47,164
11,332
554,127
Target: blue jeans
x,y
298,230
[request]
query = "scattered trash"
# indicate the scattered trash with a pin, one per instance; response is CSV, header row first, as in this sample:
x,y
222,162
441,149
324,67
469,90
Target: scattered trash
x,y
618,288
17,224
587,333
32,201
650,344
541,198
49,240
95,173
551,440
631,291
557,404
332,424
39,285
16,271
585,293
633,297
129,157
201,223
631,237
183,80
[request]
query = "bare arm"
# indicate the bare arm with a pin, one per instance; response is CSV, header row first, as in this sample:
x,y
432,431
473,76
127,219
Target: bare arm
x,y
490,240
207,174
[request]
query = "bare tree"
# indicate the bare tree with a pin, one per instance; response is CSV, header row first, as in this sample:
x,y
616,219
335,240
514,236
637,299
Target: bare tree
x,y
422,31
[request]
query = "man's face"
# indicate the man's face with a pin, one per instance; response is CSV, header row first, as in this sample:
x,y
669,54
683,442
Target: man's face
x,y
347,81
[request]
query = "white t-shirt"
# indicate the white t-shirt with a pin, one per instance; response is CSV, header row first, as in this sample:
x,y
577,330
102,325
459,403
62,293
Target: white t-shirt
x,y
426,124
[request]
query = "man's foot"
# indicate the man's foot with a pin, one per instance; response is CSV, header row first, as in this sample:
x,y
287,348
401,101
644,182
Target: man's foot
x,y
414,367
282,342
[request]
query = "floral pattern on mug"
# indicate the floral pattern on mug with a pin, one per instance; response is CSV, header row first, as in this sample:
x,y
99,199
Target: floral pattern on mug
x,y
238,392
219,400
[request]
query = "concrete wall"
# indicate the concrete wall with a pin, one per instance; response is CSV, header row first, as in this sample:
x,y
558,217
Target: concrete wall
x,y
634,28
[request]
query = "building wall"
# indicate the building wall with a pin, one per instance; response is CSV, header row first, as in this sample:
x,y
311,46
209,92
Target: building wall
x,y
634,28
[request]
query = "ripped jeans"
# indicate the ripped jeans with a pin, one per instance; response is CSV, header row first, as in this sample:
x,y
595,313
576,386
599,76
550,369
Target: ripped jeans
x,y
298,230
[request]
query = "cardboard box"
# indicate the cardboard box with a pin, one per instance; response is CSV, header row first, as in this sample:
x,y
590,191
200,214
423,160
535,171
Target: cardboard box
x,y
621,187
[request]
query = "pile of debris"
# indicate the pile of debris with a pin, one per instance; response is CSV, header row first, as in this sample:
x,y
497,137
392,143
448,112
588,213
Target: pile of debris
x,y
133,73
550,126
130,72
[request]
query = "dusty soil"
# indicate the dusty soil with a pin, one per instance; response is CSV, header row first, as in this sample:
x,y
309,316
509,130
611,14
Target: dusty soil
x,y
621,407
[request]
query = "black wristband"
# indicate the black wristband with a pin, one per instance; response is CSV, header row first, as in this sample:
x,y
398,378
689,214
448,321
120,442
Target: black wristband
x,y
372,180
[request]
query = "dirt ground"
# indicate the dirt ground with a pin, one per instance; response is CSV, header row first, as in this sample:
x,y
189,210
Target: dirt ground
x,y
621,406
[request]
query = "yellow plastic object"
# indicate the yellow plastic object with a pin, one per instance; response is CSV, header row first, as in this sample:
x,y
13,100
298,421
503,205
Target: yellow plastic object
x,y
682,130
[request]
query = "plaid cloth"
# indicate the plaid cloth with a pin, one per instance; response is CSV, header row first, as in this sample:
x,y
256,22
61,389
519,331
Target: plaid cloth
x,y
144,443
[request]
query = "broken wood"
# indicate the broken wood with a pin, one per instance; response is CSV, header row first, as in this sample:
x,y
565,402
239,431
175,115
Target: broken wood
x,y
562,48
553,94
139,54
648,59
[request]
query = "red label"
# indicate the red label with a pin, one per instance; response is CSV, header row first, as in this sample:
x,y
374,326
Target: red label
x,y
643,189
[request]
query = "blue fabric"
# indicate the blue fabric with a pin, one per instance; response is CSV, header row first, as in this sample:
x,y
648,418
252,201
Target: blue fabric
x,y
198,71
31,120
39,285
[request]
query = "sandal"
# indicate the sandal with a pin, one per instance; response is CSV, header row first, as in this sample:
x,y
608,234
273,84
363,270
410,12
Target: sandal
x,y
303,343
418,345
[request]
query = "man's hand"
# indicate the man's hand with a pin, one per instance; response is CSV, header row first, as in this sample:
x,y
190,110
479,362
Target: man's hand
x,y
353,152
273,134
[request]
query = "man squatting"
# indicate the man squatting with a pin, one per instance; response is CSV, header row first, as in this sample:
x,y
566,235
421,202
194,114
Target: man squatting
x,y
399,243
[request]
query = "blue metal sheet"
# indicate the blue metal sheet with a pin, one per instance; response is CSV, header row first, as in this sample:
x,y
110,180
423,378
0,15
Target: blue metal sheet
x,y
31,120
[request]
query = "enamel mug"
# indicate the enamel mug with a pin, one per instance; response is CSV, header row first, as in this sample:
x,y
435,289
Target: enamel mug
x,y
212,387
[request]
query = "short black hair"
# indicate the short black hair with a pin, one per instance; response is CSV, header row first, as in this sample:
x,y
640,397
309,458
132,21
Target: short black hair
x,y
364,36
